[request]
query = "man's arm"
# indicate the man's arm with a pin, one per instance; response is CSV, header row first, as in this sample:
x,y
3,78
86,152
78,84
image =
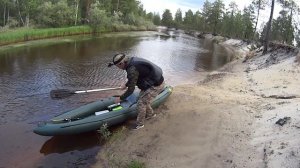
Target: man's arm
x,y
132,76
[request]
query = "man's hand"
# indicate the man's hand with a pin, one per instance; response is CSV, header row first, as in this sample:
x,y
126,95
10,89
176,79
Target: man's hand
x,y
117,100
123,87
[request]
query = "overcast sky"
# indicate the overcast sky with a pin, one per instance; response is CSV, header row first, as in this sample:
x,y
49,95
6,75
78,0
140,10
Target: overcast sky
x,y
159,6
184,5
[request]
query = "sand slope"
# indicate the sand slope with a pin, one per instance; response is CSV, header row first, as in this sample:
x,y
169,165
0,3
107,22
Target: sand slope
x,y
226,120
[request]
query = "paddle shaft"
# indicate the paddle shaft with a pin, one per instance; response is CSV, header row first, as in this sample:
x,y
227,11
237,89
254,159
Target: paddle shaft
x,y
97,90
62,93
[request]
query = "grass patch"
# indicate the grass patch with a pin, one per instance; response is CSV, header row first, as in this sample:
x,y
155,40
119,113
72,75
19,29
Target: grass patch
x,y
119,162
10,36
110,156
136,164
105,133
28,34
118,135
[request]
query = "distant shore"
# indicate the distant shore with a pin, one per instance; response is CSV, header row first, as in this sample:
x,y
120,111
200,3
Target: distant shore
x,y
13,36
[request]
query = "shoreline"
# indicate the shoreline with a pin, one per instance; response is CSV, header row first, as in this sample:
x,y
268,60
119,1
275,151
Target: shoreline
x,y
229,119
15,37
68,39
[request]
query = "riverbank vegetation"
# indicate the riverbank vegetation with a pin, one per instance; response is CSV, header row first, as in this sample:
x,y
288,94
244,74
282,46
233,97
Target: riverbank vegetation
x,y
242,24
52,18
24,20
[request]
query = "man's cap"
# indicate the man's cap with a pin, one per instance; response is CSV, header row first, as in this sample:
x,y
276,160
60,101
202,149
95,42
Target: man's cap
x,y
117,59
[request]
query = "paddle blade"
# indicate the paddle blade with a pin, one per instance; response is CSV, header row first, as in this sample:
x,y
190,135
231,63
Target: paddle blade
x,y
61,93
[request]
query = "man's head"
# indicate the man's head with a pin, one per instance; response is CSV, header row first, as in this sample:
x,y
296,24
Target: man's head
x,y
120,60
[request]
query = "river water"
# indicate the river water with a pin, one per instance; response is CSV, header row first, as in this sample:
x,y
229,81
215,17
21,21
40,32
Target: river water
x,y
29,72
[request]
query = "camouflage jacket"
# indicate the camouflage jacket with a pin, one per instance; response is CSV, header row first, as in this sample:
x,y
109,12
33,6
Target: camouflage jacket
x,y
132,77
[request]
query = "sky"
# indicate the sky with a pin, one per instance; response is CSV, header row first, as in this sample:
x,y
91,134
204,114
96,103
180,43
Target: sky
x,y
159,6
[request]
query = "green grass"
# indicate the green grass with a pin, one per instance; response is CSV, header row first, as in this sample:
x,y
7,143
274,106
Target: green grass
x,y
27,34
11,36
113,159
136,164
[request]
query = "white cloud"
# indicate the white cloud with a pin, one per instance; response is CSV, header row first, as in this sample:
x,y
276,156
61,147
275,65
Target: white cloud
x,y
241,4
159,6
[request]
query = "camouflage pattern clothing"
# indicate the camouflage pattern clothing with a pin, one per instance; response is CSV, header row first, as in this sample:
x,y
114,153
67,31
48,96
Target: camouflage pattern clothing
x,y
132,76
145,98
144,103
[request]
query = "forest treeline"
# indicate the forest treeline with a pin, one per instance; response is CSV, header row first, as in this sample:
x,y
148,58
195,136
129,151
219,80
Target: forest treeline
x,y
64,13
120,15
242,24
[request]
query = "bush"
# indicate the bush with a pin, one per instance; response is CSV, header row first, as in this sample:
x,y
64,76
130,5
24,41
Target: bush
x,y
99,19
142,28
104,131
12,23
120,27
133,28
55,15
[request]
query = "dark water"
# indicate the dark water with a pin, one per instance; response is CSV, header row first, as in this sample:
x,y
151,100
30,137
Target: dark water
x,y
29,73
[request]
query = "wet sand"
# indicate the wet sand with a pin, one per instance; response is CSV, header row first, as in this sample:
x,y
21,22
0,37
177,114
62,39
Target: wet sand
x,y
227,119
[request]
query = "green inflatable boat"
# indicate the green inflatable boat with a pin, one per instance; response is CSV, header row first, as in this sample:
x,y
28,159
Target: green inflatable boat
x,y
92,116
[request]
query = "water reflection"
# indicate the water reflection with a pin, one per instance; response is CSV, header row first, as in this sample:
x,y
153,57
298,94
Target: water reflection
x,y
63,144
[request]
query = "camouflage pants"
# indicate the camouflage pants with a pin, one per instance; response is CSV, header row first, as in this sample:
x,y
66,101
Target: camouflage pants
x,y
144,103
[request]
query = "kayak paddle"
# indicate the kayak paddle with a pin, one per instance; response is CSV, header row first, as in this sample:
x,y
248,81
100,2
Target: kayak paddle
x,y
63,93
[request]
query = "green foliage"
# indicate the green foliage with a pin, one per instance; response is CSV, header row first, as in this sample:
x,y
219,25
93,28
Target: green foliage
x,y
136,164
206,12
104,131
167,18
130,19
150,16
26,34
125,15
248,19
12,23
98,18
283,29
55,14
188,19
129,6
216,15
178,18
156,19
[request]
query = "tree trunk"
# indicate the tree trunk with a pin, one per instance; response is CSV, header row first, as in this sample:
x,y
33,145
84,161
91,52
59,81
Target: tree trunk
x,y
258,10
7,21
4,17
27,20
20,13
266,40
215,28
289,35
118,5
88,7
76,11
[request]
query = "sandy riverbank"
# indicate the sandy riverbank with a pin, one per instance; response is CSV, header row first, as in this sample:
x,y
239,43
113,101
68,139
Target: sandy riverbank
x,y
226,120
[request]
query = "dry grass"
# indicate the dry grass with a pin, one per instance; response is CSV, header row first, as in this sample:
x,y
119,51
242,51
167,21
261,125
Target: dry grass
x,y
249,55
